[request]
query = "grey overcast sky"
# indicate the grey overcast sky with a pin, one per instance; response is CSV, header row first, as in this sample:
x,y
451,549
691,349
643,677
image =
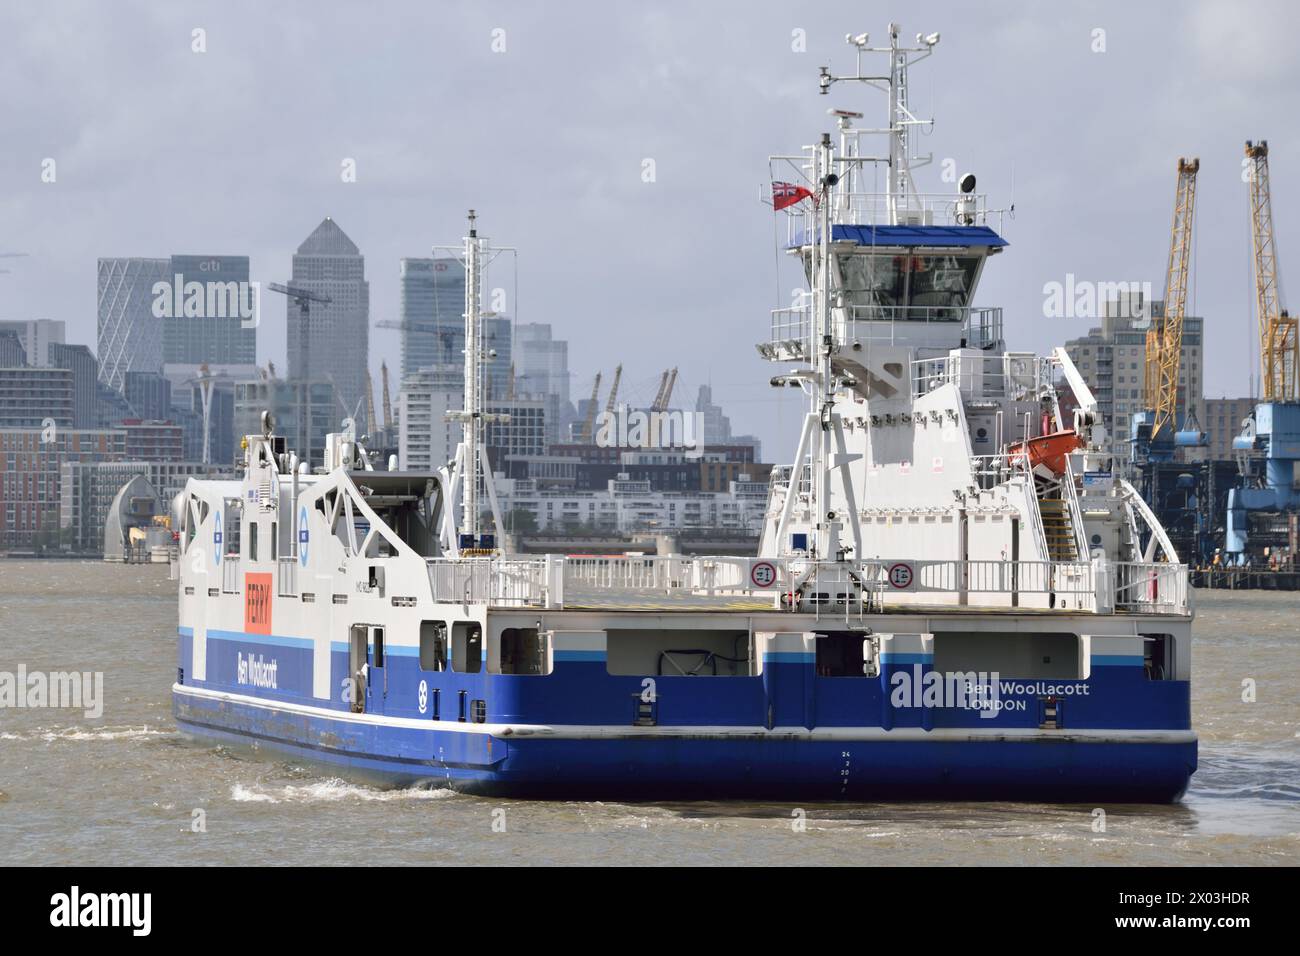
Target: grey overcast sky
x,y
238,151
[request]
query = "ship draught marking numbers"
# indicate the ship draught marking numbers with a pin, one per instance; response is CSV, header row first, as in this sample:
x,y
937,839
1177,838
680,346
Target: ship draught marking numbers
x,y
900,575
763,574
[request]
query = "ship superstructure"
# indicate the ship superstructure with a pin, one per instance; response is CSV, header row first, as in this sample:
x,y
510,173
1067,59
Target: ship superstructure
x,y
954,596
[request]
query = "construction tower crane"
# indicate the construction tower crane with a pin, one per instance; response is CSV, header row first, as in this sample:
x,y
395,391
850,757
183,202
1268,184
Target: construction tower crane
x,y
446,334
588,426
1278,344
303,299
388,402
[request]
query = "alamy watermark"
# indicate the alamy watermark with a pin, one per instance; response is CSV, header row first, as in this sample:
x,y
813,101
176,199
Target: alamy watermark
x,y
964,690
212,299
1084,299
124,910
74,690
669,430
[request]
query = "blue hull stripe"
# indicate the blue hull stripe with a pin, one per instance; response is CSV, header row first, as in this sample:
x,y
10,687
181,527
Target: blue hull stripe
x,y
246,638
707,763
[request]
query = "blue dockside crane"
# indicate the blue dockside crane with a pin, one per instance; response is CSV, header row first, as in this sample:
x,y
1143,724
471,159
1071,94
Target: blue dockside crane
x,y
1274,428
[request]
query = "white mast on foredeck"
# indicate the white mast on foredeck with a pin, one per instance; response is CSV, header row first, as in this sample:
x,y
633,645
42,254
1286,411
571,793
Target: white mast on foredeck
x,y
473,409
471,469
821,440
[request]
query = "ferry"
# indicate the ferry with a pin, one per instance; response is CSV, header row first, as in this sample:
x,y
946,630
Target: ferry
x,y
955,596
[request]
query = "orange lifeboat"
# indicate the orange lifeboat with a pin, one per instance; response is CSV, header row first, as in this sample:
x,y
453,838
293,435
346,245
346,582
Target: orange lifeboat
x,y
1046,453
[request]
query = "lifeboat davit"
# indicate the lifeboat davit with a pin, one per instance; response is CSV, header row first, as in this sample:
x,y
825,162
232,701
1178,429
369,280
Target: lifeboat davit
x,y
1046,453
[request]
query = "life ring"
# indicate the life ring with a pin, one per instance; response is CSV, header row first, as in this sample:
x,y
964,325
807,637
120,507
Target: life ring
x,y
791,599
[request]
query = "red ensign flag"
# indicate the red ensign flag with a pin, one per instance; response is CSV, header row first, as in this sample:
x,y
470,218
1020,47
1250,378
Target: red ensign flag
x,y
787,194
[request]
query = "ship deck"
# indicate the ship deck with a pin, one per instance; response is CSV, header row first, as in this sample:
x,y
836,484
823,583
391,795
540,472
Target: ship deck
x,y
668,584
676,602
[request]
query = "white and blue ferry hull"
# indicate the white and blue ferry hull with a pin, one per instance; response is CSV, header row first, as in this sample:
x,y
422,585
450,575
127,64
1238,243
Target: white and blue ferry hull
x,y
822,744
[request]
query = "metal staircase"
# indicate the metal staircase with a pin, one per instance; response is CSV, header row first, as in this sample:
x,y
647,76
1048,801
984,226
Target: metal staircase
x,y
1056,512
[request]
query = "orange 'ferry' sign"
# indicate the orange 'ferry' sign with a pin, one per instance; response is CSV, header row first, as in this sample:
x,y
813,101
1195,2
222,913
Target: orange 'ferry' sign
x,y
257,603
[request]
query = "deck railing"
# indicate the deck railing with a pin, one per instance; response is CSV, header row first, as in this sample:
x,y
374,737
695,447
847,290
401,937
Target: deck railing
x,y
915,209
1070,492
553,581
1007,375
499,581
1151,588
862,325
633,573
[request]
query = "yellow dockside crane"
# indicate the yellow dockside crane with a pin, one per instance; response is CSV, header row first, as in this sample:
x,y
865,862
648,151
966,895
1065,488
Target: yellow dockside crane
x,y
1164,346
1278,344
588,425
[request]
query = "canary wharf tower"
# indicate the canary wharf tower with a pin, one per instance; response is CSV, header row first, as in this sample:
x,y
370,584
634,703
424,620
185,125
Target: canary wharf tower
x,y
332,344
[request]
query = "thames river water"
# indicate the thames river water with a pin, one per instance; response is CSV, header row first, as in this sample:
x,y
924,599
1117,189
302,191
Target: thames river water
x,y
125,789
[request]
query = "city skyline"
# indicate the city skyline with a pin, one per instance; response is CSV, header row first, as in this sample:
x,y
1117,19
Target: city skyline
x,y
719,95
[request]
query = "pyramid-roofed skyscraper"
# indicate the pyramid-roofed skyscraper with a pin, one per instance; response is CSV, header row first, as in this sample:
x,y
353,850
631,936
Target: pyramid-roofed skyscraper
x,y
334,343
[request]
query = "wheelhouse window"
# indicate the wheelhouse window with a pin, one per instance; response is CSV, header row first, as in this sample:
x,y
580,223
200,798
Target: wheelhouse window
x,y
943,283
916,285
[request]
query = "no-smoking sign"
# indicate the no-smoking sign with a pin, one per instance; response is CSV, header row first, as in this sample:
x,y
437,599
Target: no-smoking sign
x,y
763,574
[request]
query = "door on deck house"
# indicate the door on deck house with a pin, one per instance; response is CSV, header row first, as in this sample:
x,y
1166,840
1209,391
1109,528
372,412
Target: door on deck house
x,y
377,675
359,665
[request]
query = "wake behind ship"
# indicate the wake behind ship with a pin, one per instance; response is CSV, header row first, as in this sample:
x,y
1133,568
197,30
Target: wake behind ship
x,y
954,598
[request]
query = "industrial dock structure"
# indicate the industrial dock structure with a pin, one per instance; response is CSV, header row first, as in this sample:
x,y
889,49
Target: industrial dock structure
x,y
1219,473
